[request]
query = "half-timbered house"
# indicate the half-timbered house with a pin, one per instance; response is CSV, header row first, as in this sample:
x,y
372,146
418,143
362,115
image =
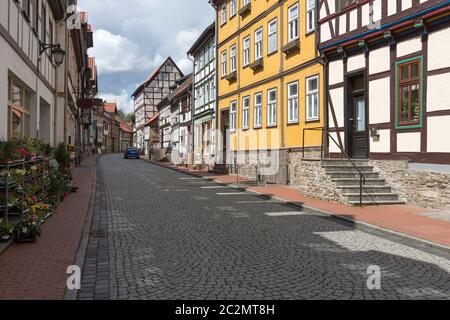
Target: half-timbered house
x,y
148,95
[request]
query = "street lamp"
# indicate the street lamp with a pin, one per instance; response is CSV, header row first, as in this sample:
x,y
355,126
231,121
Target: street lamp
x,y
57,53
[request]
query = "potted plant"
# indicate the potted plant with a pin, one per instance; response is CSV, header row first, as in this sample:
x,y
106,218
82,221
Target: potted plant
x,y
28,230
6,231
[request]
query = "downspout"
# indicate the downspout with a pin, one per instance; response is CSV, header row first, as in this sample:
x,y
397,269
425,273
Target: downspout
x,y
216,84
191,135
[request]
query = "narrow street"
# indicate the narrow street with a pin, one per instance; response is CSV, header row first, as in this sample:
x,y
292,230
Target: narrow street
x,y
159,234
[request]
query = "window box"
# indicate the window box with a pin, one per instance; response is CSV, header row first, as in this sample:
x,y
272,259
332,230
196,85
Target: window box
x,y
292,46
245,10
232,76
258,64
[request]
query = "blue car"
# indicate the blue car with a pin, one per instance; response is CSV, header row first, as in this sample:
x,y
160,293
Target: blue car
x,y
131,153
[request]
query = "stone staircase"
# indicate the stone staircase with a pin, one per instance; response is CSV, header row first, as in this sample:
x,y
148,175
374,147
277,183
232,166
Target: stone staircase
x,y
347,179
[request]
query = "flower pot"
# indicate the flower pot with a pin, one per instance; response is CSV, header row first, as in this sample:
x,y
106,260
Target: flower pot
x,y
27,239
4,238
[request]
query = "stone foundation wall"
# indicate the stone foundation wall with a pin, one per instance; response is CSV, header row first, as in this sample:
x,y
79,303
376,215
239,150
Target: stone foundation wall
x,y
311,179
429,189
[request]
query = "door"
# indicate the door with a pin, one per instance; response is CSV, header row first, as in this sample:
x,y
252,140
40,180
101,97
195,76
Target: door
x,y
225,134
357,124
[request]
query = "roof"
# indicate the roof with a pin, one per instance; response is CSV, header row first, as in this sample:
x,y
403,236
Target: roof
x,y
154,74
182,88
124,127
208,32
111,107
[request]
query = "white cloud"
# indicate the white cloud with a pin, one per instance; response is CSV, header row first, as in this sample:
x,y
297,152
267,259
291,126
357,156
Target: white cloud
x,y
123,100
115,53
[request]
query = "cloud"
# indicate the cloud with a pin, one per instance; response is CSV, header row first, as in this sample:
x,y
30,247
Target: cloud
x,y
122,99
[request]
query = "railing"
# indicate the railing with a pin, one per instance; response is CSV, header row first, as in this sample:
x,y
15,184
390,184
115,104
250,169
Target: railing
x,y
362,177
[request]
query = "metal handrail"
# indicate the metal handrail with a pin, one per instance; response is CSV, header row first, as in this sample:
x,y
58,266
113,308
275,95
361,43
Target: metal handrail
x,y
362,177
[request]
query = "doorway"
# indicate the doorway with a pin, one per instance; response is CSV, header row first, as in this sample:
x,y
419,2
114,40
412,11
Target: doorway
x,y
225,134
356,125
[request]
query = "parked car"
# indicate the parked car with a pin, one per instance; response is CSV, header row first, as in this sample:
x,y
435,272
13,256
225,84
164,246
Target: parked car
x,y
131,153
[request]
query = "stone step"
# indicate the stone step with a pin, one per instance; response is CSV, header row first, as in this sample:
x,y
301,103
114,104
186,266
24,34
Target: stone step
x,y
352,175
355,182
378,197
363,169
340,162
367,189
372,203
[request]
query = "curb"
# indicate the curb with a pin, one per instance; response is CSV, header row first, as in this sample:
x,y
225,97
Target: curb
x,y
428,243
80,256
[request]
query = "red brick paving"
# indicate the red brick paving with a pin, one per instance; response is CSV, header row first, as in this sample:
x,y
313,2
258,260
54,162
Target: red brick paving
x,y
38,270
404,219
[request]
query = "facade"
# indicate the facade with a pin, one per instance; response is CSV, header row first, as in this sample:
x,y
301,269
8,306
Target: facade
x,y
111,128
204,110
269,83
386,72
146,98
27,77
126,136
165,129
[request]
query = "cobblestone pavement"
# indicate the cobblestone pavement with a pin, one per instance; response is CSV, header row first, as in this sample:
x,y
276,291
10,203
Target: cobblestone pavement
x,y
159,234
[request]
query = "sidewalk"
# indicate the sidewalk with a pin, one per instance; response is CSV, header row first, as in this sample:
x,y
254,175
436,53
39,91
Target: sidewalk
x,y
404,219
38,271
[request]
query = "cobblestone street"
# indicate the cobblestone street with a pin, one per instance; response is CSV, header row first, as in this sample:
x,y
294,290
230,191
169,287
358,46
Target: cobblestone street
x,y
160,234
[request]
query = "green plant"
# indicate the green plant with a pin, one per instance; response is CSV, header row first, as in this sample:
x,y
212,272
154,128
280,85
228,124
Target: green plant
x,y
6,229
8,151
27,229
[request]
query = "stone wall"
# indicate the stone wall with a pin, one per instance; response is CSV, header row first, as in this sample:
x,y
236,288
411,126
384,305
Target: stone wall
x,y
311,179
429,189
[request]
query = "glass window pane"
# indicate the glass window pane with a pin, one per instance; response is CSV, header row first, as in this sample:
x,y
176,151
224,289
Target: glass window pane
x,y
415,70
361,116
415,106
404,73
404,93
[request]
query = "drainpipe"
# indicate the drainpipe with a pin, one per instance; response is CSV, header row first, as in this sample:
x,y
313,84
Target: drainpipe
x,y
191,135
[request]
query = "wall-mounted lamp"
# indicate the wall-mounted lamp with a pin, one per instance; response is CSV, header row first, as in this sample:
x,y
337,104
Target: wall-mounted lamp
x,y
57,53
387,35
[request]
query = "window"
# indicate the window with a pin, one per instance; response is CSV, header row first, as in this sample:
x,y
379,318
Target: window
x,y
258,111
293,23
272,107
233,116
293,102
232,8
43,24
258,44
223,14
409,82
246,51
19,101
312,98
245,112
233,59
272,37
35,21
224,64
346,3
310,15
246,2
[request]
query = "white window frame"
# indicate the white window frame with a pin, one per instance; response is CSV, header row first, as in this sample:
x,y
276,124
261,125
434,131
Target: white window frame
x,y
223,63
233,118
246,2
272,108
232,58
223,14
232,8
310,15
257,113
258,44
293,23
246,51
272,34
292,103
312,112
245,112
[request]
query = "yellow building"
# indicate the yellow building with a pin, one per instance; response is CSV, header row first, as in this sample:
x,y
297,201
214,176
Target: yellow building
x,y
269,80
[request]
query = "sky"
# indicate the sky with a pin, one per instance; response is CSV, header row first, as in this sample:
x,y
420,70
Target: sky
x,y
133,37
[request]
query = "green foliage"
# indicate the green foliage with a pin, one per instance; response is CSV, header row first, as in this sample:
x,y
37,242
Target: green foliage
x,y
27,229
6,229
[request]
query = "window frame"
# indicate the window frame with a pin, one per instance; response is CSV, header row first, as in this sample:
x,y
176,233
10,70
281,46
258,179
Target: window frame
x,y
291,21
233,115
343,5
23,109
274,34
246,113
223,14
223,64
259,45
312,10
290,97
271,103
246,62
259,113
410,124
234,12
233,62
308,92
